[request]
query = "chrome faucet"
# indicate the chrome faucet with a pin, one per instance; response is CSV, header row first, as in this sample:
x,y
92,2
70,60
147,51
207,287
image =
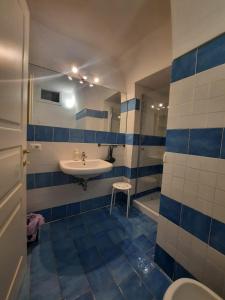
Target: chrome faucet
x,y
83,157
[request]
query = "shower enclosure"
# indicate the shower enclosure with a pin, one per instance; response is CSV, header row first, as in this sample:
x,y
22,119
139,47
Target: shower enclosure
x,y
153,122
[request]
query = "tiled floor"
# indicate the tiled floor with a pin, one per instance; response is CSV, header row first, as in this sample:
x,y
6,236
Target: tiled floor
x,y
97,256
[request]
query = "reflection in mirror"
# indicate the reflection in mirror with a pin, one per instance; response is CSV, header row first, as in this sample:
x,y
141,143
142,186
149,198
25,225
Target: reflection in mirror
x,y
62,101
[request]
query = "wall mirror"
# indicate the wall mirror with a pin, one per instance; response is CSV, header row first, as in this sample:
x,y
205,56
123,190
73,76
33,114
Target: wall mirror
x,y
59,100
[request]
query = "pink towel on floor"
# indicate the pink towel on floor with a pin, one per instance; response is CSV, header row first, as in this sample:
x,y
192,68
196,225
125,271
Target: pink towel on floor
x,y
34,221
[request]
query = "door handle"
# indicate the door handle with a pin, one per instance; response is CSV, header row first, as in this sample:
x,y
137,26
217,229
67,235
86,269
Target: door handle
x,y
25,151
26,163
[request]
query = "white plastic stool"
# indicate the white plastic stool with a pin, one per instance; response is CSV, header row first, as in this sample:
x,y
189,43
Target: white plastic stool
x,y
121,186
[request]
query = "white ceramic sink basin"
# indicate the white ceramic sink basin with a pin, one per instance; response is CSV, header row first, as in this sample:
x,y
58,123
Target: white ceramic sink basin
x,y
91,168
189,289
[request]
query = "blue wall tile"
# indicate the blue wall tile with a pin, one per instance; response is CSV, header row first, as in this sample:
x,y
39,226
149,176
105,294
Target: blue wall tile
x,y
101,114
81,114
211,54
61,134
30,181
123,107
101,137
73,209
94,203
76,135
43,179
205,142
149,170
164,260
133,104
30,132
170,209
217,236
120,138
43,133
177,140
111,138
59,212
180,272
196,223
89,136
59,178
184,66
150,140
132,139
46,213
222,154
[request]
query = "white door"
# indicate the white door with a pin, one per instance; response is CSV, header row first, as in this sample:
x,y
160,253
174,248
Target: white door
x,y
14,31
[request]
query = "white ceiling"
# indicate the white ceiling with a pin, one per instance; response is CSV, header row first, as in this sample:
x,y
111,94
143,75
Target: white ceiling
x,y
113,26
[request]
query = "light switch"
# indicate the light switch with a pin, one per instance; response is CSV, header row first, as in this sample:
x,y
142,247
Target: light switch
x,y
35,146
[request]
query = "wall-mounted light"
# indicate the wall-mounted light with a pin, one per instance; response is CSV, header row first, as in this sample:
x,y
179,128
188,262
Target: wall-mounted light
x,y
74,69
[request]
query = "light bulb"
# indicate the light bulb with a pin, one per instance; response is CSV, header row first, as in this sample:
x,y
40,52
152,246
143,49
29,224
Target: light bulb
x,y
85,77
70,78
96,79
160,104
74,69
152,106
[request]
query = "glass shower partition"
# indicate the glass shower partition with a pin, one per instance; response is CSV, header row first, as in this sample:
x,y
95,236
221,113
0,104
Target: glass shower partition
x,y
153,122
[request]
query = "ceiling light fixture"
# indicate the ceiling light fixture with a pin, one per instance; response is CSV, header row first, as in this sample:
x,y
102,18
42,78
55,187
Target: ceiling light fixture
x,y
81,82
85,77
70,78
152,106
74,69
96,80
91,84
160,104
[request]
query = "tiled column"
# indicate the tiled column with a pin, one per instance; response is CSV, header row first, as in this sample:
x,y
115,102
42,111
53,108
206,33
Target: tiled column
x,y
191,230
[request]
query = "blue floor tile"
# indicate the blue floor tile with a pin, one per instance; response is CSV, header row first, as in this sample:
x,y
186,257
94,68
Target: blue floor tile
x,y
113,293
78,232
120,269
133,289
156,282
97,256
85,242
117,235
103,242
73,282
86,296
46,289
143,243
100,279
90,259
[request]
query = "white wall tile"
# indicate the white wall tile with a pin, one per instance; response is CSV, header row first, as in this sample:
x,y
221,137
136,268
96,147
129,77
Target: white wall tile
x,y
42,198
47,160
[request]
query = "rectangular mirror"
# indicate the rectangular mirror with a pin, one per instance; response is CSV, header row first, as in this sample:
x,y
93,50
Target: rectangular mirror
x,y
62,101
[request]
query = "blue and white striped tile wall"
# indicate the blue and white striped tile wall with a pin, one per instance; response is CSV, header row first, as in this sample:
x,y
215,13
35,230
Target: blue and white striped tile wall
x,y
191,230
49,188
87,112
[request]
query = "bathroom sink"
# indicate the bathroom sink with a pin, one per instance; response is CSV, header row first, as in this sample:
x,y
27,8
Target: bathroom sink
x,y
91,168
